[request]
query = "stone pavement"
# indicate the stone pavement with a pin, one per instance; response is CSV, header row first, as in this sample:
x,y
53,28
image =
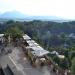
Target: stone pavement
x,y
21,66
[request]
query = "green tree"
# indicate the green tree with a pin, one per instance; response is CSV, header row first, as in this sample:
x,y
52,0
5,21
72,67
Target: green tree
x,y
73,67
63,37
56,59
14,32
10,22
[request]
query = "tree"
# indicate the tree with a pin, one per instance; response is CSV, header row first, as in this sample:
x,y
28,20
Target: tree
x,y
14,32
10,22
63,37
56,59
73,67
64,64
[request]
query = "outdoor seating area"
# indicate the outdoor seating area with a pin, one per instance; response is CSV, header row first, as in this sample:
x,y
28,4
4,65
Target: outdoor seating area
x,y
34,51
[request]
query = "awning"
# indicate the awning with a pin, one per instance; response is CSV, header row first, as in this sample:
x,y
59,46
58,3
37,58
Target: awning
x,y
32,43
26,37
40,53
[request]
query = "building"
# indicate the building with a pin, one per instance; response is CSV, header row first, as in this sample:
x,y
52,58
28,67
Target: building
x,y
34,51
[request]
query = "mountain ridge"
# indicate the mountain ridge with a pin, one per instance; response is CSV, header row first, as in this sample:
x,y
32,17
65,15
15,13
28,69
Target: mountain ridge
x,y
16,14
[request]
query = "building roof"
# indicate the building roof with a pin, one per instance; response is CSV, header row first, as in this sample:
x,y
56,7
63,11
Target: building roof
x,y
34,47
26,37
37,51
29,41
32,43
40,53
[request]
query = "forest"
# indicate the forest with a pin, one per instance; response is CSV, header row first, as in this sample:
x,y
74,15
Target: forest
x,y
47,33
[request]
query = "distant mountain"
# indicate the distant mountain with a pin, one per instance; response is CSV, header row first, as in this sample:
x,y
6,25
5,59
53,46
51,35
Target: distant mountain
x,y
18,15
12,15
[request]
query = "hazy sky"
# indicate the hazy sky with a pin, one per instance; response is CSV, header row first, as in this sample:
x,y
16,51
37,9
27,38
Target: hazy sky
x,y
60,8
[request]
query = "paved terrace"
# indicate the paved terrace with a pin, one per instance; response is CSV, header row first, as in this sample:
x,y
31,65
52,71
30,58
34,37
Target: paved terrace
x,y
21,66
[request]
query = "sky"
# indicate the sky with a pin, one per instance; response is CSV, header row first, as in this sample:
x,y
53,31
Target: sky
x,y
59,8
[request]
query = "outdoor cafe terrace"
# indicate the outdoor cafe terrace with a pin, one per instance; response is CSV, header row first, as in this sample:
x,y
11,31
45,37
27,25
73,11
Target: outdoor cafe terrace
x,y
36,50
